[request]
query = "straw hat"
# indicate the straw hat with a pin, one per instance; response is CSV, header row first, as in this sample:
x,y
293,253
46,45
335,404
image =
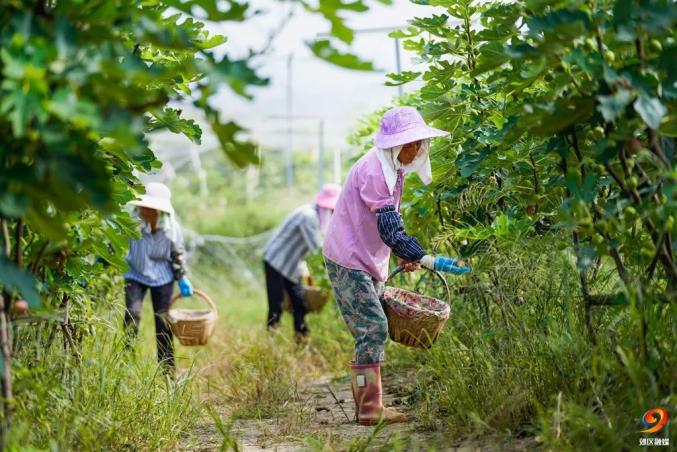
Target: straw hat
x,y
402,125
328,196
157,196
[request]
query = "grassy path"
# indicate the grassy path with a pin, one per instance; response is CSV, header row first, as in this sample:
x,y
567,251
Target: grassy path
x,y
263,391
259,391
320,418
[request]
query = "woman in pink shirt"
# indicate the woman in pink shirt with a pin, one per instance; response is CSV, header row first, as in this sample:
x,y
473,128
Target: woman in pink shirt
x,y
365,228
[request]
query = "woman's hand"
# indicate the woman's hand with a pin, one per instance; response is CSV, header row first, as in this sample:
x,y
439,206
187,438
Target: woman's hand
x,y
451,265
186,287
409,266
445,264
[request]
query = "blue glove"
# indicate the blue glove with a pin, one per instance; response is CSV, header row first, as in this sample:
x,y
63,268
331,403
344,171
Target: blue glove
x,y
186,287
448,265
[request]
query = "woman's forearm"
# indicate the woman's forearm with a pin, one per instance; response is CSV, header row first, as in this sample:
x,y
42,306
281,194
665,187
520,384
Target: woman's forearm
x,y
177,261
391,229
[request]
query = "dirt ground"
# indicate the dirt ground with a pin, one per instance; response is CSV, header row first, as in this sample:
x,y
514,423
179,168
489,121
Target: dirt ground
x,y
323,419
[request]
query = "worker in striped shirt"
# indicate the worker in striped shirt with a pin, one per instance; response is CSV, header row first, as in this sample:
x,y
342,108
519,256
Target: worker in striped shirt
x,y
299,234
155,263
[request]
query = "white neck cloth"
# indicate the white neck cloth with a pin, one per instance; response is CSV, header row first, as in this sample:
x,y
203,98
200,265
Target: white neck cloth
x,y
390,165
420,165
167,223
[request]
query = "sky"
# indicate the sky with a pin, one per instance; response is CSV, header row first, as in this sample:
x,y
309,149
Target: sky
x,y
319,90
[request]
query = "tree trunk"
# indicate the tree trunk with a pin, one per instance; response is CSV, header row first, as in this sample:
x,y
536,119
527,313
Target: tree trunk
x,y
6,368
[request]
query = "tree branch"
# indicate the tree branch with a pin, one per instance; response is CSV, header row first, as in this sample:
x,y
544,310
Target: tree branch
x,y
38,257
268,45
5,237
577,151
654,261
582,277
534,174
654,146
438,202
18,236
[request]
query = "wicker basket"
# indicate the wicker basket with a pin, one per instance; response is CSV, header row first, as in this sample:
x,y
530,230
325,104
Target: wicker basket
x,y
316,298
193,326
414,320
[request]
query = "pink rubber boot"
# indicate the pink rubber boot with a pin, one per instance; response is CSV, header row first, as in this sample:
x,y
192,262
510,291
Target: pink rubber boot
x,y
368,395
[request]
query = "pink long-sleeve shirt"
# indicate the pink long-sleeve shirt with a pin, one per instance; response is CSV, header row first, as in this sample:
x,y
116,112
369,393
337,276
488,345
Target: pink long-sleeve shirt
x,y
352,238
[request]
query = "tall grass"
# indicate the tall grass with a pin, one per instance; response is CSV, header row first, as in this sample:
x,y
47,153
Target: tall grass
x,y
106,398
515,358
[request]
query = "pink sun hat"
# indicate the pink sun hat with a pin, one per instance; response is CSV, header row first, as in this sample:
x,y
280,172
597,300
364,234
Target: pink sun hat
x,y
402,125
328,196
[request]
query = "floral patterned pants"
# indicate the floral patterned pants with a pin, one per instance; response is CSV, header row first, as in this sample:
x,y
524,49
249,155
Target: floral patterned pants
x,y
357,296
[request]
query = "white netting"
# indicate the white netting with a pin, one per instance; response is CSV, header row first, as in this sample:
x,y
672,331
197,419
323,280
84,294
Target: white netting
x,y
222,260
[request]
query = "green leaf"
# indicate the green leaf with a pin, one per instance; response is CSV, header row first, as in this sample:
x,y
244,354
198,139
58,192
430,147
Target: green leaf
x,y
613,105
66,105
13,205
587,191
492,55
17,279
668,64
560,24
566,113
213,11
242,153
435,24
468,162
339,29
590,62
586,257
402,78
402,34
325,51
170,119
50,227
669,127
235,73
16,104
651,110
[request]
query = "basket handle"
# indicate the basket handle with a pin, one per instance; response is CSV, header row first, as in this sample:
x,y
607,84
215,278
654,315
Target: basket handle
x,y
199,293
440,276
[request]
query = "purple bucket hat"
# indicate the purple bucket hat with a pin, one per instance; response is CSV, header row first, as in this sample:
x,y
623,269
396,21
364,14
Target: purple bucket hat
x,y
402,125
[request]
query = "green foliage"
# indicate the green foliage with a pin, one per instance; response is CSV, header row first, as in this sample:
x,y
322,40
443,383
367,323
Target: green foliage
x,y
558,182
324,50
81,84
545,116
121,401
562,118
341,34
555,114
258,388
16,279
80,88
229,442
402,78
